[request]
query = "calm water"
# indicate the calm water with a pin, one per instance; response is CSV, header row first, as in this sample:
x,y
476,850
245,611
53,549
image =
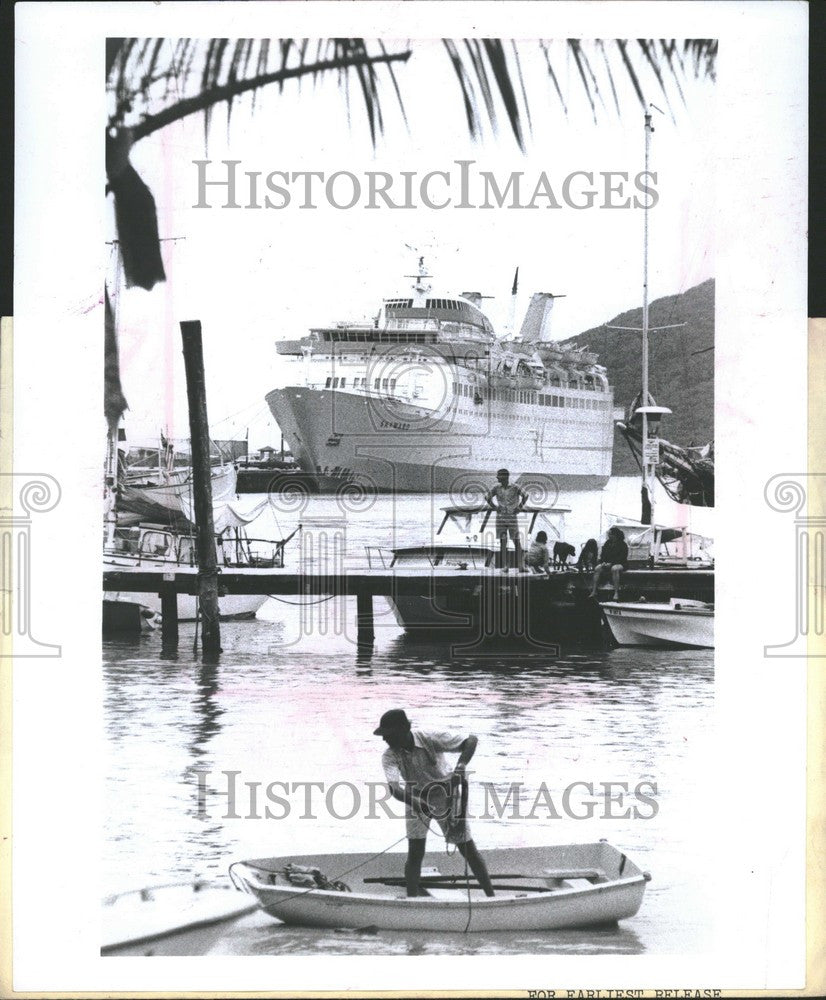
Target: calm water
x,y
292,701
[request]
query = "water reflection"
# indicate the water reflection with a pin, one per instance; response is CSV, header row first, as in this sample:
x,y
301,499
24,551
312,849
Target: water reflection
x,y
207,710
294,698
260,935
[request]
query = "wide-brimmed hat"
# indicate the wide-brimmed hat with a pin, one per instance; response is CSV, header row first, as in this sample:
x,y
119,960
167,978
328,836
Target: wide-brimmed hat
x,y
392,721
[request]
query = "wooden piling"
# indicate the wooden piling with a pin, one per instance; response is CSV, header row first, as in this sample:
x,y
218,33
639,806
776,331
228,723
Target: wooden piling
x,y
202,486
169,618
365,631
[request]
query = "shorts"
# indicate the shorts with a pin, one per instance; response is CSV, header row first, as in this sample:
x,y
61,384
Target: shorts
x,y
507,526
456,832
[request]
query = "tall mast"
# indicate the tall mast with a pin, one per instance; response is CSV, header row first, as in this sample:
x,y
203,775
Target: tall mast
x,y
650,416
648,468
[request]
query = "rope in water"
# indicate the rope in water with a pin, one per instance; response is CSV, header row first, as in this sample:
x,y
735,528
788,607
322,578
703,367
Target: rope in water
x,y
302,604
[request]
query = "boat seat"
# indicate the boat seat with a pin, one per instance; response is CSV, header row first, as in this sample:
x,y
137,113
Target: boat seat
x,y
591,874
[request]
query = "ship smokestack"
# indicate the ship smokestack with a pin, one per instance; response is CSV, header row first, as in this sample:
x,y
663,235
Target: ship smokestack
x,y
536,326
474,298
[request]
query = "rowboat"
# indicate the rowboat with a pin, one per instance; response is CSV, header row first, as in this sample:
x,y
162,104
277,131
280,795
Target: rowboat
x,y
179,919
536,888
679,623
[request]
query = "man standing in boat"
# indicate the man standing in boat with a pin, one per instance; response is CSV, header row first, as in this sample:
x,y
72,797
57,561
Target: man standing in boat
x,y
418,775
510,499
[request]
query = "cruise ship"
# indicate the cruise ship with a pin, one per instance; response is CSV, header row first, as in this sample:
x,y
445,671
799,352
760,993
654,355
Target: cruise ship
x,y
427,398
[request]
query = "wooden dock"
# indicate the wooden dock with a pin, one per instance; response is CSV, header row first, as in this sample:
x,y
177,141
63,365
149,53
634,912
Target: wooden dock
x,y
547,607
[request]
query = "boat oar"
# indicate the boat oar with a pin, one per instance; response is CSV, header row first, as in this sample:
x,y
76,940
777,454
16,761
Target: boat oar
x,y
394,879
457,884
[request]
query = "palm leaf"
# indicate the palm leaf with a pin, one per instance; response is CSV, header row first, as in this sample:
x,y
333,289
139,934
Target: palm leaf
x,y
649,53
488,74
607,64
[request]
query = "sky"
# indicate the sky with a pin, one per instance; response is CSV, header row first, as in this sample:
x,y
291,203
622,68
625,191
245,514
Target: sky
x,y
254,277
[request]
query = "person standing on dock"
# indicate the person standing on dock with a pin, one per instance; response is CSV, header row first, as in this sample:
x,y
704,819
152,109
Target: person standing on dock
x,y
510,499
614,557
414,765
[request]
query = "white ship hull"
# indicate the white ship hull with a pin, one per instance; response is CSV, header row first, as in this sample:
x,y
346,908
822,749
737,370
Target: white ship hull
x,y
389,444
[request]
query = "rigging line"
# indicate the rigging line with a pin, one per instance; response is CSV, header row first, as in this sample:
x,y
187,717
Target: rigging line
x,y
258,407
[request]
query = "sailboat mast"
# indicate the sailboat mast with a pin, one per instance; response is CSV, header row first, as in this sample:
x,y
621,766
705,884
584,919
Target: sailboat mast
x,y
647,467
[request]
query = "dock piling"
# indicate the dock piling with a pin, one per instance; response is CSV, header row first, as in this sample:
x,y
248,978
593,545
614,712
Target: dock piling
x,y
202,486
365,630
169,618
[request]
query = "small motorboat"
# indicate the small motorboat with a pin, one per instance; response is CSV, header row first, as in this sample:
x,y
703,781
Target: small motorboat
x,y
536,888
466,542
179,919
681,622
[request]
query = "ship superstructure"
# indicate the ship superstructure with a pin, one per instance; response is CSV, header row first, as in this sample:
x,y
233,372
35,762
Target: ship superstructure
x,y
426,398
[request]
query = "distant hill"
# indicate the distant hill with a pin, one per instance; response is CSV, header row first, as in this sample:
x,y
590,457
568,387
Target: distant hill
x,y
679,377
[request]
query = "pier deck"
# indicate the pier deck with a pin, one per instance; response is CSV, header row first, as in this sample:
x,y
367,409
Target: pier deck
x,y
635,583
435,601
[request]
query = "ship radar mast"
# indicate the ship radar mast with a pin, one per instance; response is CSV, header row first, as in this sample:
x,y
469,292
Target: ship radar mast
x,y
421,288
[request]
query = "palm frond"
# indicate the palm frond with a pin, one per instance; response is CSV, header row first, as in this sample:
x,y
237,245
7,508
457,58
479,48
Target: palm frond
x,y
205,100
650,57
607,64
495,51
464,86
485,74
207,73
551,73
521,83
669,50
647,66
632,73
580,59
160,81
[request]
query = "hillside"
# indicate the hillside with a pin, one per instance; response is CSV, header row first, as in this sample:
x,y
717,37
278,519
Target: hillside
x,y
679,377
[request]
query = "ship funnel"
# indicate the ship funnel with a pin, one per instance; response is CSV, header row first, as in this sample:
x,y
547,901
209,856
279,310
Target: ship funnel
x,y
474,298
536,326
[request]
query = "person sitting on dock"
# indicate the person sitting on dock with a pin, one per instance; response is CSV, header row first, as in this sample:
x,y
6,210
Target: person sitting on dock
x,y
588,556
417,759
614,557
537,558
510,499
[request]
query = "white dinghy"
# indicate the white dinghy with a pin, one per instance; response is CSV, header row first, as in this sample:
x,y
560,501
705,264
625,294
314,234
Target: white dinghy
x,y
537,888
179,919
